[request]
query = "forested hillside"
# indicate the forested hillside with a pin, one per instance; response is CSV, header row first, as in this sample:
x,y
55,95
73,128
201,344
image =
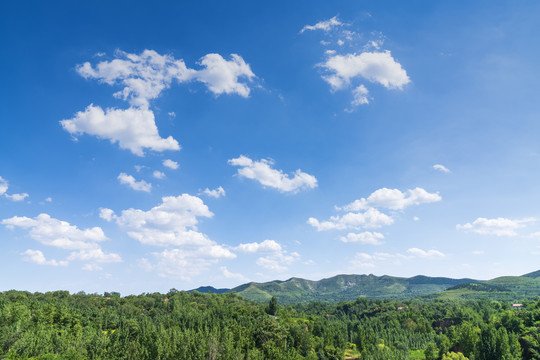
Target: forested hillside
x,y
182,325
351,287
342,288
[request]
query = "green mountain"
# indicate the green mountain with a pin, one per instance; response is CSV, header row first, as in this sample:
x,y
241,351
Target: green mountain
x,y
351,287
504,288
346,288
534,274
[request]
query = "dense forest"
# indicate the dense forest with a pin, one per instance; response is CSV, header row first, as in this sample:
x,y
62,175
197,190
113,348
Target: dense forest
x,y
183,325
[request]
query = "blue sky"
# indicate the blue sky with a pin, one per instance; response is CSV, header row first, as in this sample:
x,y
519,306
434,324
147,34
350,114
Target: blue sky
x,y
179,144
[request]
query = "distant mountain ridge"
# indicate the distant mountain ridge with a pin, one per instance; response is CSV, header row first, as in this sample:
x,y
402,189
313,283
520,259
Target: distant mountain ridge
x,y
350,287
341,288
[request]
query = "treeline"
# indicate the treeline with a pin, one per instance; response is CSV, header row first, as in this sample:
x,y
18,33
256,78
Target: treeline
x,y
181,325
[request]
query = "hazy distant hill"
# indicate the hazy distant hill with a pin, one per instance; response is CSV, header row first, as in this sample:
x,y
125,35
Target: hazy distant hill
x,y
210,289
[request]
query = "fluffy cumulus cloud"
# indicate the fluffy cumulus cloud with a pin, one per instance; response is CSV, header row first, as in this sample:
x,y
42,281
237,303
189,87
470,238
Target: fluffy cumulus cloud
x,y
186,263
278,261
263,172
173,224
425,253
369,219
497,227
4,186
255,247
143,77
441,168
366,237
133,129
230,275
17,197
158,174
351,64
37,257
221,76
53,232
365,214
129,180
375,67
95,254
325,25
275,257
215,193
393,199
170,164
49,231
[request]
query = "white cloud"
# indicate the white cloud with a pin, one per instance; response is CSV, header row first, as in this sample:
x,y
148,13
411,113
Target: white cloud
x,y
262,172
360,96
145,76
363,260
221,76
158,174
376,67
183,264
371,218
172,114
393,199
49,199
276,258
325,25
173,224
498,227
264,246
367,237
37,257
129,180
170,164
134,128
53,232
17,197
425,253
215,193
3,186
442,168
96,255
416,218
106,214
230,275
278,261
478,252
57,233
